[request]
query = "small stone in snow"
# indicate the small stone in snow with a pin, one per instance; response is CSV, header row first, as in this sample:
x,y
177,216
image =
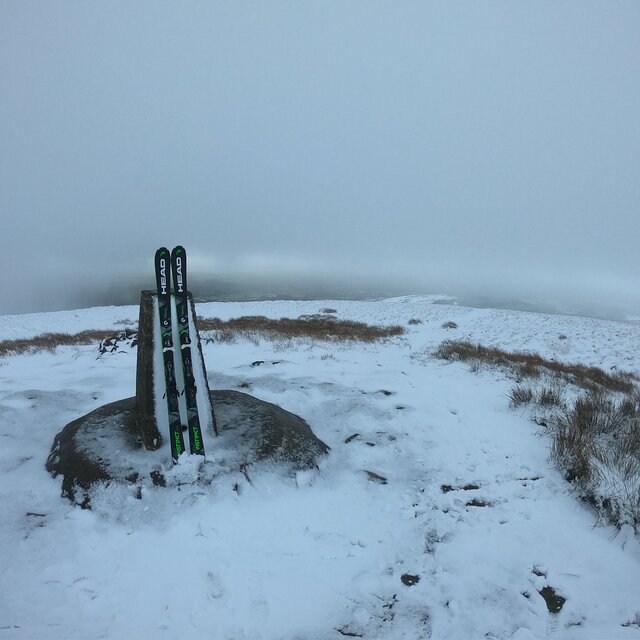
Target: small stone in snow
x,y
374,477
158,479
409,579
554,601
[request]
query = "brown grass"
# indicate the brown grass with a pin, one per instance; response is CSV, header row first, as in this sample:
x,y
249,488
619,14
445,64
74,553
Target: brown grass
x,y
596,443
520,395
595,439
319,327
49,341
527,365
550,396
325,328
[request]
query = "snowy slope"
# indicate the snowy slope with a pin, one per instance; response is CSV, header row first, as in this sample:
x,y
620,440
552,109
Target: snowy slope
x,y
321,555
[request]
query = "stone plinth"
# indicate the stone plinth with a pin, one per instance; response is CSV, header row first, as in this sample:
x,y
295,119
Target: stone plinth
x,y
104,445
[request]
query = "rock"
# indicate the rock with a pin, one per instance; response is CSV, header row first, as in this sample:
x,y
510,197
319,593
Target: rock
x,y
265,430
74,456
553,600
374,477
158,479
478,502
124,340
105,444
409,580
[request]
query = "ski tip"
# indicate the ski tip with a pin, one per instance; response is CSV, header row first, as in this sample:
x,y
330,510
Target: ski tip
x,y
161,252
178,250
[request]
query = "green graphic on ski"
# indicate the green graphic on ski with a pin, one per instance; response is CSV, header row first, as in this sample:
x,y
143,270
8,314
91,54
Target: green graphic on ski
x,y
179,275
163,270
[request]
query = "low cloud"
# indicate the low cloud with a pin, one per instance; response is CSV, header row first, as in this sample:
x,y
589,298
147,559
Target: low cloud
x,y
487,152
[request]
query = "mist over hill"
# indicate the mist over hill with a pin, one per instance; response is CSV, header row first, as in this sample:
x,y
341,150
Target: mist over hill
x,y
232,287
484,150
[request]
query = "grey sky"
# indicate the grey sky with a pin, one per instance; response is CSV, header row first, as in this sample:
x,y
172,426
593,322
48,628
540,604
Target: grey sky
x,y
489,146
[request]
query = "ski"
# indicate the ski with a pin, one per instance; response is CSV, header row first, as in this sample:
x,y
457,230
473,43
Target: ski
x,y
179,275
163,272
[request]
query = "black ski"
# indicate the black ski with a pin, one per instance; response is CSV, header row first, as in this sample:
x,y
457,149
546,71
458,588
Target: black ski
x,y
164,307
179,275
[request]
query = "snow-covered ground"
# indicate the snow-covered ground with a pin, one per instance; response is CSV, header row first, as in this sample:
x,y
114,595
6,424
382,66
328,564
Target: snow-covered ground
x,y
321,555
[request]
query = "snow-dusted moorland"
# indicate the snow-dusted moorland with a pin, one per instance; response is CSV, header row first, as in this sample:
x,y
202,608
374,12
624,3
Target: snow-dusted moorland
x,y
472,524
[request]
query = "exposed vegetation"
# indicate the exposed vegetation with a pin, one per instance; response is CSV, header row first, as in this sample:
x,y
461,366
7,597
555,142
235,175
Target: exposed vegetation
x,y
49,341
520,395
595,435
532,365
550,396
450,324
318,327
596,442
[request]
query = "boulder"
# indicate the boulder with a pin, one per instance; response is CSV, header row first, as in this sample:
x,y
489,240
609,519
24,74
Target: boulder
x,y
106,445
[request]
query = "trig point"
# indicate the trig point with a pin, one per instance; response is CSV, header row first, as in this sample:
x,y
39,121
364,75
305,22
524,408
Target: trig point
x,y
151,408
173,398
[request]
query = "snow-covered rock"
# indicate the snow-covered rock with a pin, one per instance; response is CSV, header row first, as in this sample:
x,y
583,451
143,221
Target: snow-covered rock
x,y
104,446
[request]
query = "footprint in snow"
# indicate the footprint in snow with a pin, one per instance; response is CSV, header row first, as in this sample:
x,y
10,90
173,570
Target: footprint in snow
x,y
554,600
434,538
214,586
84,586
372,440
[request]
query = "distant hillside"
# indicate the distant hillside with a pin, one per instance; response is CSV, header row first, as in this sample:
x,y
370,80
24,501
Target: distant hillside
x,y
239,288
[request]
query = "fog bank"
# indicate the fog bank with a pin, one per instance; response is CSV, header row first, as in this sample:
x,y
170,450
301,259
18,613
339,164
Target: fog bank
x,y
478,149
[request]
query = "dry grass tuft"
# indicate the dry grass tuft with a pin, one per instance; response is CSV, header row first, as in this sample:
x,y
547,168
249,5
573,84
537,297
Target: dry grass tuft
x,y
49,341
596,443
595,438
318,327
520,395
550,396
530,365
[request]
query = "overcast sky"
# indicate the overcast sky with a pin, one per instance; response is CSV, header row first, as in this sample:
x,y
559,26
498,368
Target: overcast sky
x,y
490,147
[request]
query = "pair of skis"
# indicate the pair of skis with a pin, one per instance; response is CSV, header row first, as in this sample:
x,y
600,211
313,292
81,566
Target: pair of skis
x,y
173,267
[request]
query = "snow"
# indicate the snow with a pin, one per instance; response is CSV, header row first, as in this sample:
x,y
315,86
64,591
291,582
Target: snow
x,y
321,554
